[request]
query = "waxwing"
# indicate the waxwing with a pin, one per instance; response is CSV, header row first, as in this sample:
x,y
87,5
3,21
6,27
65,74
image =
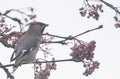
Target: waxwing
x,y
28,45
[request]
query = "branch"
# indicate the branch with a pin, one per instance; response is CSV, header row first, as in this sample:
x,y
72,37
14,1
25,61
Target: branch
x,y
99,27
70,37
14,19
54,35
54,61
111,6
9,75
63,60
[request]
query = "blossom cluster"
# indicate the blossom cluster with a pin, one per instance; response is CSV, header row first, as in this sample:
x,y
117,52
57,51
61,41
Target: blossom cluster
x,y
83,52
117,19
92,10
43,72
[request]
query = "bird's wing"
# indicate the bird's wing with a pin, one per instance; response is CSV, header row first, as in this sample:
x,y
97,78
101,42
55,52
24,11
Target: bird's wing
x,y
20,53
24,47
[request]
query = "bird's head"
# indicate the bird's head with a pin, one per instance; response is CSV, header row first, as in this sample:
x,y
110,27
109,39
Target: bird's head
x,y
37,27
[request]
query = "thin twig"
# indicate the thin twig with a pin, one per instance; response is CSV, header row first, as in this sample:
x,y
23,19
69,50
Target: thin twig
x,y
54,61
70,37
9,75
62,60
14,19
100,26
54,35
111,6
58,42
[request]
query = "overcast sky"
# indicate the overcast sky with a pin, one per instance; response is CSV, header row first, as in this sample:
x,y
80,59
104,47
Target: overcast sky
x,y
64,19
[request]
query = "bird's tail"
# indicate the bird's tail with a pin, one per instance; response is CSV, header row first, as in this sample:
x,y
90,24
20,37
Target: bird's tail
x,y
14,68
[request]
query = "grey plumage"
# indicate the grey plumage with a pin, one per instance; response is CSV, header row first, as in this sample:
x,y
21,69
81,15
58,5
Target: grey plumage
x,y
28,45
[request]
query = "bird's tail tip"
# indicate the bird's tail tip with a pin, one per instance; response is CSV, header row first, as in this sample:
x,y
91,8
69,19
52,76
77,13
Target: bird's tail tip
x,y
14,69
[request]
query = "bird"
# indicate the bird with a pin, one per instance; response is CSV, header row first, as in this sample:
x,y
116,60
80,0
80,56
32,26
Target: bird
x,y
28,45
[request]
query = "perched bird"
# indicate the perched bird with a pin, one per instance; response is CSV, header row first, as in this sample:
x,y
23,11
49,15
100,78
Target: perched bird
x,y
28,45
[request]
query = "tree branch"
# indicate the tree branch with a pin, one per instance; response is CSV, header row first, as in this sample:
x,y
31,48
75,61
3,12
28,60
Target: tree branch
x,y
70,37
9,75
54,35
14,19
111,6
99,27
62,60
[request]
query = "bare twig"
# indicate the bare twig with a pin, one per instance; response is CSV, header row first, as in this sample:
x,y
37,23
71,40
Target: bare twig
x,y
63,60
58,42
14,19
54,35
54,61
70,37
9,75
99,27
111,6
